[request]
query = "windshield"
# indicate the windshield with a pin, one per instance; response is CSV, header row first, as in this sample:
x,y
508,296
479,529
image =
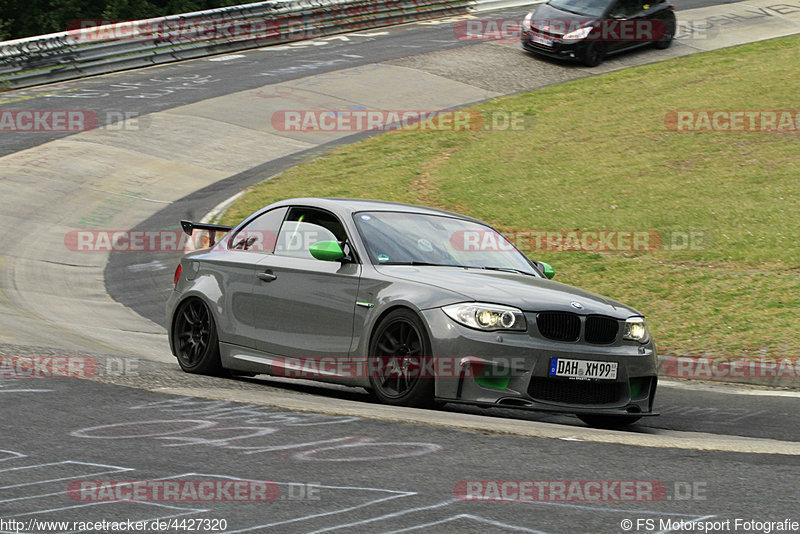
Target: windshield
x,y
395,238
590,8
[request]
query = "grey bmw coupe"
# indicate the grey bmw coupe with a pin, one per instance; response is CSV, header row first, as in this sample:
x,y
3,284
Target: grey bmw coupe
x,y
417,305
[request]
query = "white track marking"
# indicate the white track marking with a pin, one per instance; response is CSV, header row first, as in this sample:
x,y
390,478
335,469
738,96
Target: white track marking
x,y
387,516
111,469
504,526
12,455
730,389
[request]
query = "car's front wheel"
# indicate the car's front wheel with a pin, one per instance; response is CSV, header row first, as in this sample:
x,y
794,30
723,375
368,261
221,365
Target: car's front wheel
x,y
669,34
195,337
609,421
593,54
399,350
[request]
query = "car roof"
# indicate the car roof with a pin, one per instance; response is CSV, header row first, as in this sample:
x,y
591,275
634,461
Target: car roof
x,y
347,206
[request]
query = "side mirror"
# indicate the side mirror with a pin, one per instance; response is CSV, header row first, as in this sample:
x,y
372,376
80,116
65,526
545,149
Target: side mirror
x,y
547,269
326,251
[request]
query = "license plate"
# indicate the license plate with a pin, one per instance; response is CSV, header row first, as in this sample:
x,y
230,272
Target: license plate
x,y
583,369
541,39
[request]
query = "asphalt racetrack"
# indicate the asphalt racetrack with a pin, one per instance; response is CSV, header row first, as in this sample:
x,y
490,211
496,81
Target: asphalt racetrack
x,y
333,460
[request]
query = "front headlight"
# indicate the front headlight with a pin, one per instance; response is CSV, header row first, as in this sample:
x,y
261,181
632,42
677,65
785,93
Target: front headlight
x,y
526,22
577,35
636,330
487,317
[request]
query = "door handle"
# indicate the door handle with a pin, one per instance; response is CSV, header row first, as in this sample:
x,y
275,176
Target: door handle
x,y
267,276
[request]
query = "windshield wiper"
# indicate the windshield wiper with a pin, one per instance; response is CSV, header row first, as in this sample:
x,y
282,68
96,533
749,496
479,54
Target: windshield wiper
x,y
424,263
508,270
417,263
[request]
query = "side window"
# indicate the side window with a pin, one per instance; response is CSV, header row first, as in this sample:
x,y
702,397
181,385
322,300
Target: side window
x,y
304,227
259,235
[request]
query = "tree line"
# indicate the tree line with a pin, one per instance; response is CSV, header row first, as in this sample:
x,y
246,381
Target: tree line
x,y
26,18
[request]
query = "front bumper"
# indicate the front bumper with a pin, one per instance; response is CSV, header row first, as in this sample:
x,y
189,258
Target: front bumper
x,y
512,370
571,50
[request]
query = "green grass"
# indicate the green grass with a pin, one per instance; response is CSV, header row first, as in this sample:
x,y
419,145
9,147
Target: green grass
x,y
595,155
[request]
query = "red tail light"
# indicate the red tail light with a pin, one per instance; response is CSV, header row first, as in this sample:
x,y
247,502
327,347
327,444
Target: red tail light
x,y
177,274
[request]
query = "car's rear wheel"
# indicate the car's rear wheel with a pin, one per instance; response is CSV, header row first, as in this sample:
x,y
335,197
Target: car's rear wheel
x,y
593,54
669,34
399,350
195,339
609,421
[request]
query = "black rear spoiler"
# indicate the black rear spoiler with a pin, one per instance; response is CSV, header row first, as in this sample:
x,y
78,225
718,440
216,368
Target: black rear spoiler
x,y
189,227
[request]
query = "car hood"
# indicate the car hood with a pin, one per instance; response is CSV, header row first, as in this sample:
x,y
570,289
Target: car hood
x,y
555,21
525,292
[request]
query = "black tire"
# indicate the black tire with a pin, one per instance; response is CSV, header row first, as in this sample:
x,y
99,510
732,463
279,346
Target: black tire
x,y
609,421
399,349
593,54
669,34
195,338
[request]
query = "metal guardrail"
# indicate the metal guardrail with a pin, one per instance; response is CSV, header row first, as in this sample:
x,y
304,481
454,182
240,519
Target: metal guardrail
x,y
102,49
